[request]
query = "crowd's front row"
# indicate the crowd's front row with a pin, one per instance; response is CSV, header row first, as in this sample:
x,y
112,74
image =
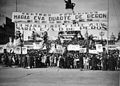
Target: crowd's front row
x,y
68,60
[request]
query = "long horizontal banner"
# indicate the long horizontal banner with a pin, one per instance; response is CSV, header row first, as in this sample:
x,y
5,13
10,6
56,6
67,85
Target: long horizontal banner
x,y
59,18
30,29
59,27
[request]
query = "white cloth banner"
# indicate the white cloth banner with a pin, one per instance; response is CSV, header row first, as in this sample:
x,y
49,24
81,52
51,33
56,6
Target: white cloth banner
x,y
59,18
52,50
59,49
82,50
27,29
17,50
59,27
93,51
73,47
38,45
99,47
24,50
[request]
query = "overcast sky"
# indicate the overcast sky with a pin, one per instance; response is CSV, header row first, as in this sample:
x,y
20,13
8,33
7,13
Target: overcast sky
x,y
58,6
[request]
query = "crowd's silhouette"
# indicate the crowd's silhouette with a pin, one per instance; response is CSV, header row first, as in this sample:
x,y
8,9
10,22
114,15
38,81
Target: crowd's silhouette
x,y
69,60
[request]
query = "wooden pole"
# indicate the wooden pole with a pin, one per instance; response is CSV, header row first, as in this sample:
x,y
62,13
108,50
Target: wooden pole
x,y
108,27
16,6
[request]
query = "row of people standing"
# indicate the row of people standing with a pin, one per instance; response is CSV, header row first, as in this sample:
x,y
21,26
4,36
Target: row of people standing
x,y
91,62
82,61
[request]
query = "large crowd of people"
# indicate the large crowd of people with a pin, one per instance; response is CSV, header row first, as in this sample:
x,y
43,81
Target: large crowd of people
x,y
69,60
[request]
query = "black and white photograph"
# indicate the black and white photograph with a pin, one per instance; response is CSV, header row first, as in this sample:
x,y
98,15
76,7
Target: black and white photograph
x,y
59,42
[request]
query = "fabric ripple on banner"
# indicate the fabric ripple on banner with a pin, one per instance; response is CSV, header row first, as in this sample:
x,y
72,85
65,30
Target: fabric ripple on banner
x,y
59,18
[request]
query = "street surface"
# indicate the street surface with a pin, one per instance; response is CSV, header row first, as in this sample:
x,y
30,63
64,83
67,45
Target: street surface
x,y
57,77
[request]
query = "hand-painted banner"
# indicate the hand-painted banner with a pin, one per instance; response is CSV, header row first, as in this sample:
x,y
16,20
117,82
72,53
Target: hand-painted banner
x,y
99,47
58,27
32,29
73,47
41,18
82,50
93,51
17,50
59,18
38,45
59,49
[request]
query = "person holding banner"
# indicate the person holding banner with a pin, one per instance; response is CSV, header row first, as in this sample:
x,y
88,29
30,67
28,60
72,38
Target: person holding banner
x,y
24,61
19,60
10,60
71,62
13,58
94,62
6,59
2,59
31,60
55,60
61,62
28,61
75,60
118,63
86,62
81,61
48,63
104,59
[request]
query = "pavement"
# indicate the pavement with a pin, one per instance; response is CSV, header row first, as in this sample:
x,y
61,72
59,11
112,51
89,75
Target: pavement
x,y
57,77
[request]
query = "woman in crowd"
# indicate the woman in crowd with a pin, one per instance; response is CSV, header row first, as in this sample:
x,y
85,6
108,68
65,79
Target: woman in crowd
x,y
86,62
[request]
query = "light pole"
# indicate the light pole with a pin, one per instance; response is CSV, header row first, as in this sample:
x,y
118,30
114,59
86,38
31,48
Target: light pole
x,y
16,6
21,43
87,40
108,27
